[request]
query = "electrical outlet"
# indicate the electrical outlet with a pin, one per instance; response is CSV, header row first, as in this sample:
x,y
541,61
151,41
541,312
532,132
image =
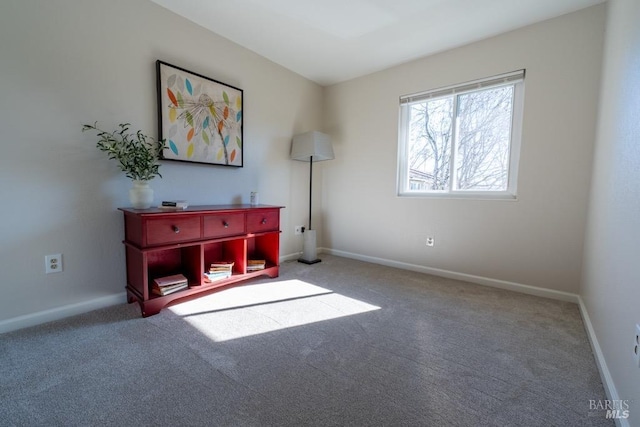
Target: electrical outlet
x,y
636,346
431,241
53,263
299,230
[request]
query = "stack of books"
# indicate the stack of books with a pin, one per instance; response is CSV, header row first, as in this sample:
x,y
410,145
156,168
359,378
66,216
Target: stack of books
x,y
169,284
255,264
219,270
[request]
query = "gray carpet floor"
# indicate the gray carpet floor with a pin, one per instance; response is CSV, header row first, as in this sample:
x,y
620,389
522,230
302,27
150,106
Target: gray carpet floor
x,y
340,343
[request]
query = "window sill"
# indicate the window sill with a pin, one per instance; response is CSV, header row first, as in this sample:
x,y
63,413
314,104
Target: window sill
x,y
502,196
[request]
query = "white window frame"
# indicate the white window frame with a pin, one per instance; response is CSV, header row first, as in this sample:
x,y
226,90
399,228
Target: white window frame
x,y
515,79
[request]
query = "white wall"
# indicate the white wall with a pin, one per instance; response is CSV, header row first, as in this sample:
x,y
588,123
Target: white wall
x,y
611,275
68,62
536,240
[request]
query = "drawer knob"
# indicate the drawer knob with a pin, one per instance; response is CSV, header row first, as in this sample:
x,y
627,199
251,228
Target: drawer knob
x,y
264,221
225,224
176,229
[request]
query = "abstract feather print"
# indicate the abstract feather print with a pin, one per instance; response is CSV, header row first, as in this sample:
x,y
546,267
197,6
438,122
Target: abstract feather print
x,y
201,118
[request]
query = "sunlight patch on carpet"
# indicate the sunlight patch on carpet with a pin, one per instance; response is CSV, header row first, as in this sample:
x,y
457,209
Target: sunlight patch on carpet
x,y
266,307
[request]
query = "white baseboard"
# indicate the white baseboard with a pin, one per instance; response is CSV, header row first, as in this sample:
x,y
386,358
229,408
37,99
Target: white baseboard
x,y
58,313
605,375
495,283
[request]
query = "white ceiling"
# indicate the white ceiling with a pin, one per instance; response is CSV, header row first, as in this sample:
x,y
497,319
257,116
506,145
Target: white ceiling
x,y
329,41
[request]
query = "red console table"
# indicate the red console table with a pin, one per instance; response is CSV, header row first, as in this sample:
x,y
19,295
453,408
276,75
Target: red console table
x,y
161,243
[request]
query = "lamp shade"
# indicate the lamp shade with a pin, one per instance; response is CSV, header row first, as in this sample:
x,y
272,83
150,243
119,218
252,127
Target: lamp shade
x,y
314,143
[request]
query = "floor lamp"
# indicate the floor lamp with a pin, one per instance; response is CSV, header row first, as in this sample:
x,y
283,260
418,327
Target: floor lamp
x,y
311,147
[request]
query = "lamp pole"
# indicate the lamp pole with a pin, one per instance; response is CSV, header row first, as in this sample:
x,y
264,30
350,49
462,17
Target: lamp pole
x,y
310,187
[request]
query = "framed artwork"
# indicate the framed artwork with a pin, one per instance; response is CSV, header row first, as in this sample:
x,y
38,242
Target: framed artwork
x,y
200,118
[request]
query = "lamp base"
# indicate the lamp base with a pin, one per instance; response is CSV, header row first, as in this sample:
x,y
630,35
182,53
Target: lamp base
x,y
309,253
305,261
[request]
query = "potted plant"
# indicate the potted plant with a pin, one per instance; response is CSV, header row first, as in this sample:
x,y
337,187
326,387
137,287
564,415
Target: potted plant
x,y
137,155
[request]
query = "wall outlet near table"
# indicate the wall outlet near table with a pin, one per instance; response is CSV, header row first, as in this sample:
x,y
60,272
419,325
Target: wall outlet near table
x,y
53,263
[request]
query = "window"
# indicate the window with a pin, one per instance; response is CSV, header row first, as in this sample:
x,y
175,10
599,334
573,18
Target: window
x,y
462,140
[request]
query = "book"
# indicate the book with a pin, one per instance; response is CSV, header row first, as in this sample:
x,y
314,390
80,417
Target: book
x,y
175,204
170,280
172,208
166,290
221,266
220,272
212,277
256,264
169,288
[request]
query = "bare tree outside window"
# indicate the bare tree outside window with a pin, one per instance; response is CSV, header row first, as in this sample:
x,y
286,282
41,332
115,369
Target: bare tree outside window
x,y
482,149
430,150
460,142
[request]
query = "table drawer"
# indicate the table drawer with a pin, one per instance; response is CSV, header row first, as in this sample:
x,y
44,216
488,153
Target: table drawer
x,y
172,230
222,225
265,220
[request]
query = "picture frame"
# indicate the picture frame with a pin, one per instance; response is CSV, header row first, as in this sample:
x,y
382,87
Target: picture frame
x,y
199,117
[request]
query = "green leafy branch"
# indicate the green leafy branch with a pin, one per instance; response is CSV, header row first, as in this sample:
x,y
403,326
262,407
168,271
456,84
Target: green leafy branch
x,y
137,154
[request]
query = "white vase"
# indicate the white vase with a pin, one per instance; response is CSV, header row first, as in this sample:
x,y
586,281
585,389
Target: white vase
x,y
141,195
